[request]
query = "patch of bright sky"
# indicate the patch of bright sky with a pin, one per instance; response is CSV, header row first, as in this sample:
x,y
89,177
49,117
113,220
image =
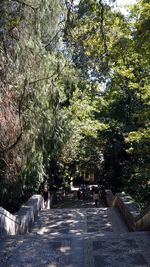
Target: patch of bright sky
x,y
121,5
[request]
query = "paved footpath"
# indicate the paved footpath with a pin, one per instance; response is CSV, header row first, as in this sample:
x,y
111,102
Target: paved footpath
x,y
77,234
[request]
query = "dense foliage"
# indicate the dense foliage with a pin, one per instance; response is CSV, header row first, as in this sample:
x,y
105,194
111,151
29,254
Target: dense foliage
x,y
74,97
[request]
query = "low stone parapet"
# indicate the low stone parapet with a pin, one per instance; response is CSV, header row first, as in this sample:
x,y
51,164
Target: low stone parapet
x,y
143,222
21,222
109,198
28,212
135,220
128,208
9,223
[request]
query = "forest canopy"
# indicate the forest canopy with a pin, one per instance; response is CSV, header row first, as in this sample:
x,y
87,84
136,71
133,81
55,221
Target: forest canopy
x,y
74,97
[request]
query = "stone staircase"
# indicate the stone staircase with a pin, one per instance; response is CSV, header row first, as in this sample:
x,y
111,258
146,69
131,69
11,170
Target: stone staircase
x,y
79,235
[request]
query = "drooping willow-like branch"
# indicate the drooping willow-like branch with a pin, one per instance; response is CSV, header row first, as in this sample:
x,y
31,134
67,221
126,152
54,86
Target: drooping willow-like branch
x,y
25,4
22,97
53,38
102,27
26,83
45,78
61,29
6,149
69,6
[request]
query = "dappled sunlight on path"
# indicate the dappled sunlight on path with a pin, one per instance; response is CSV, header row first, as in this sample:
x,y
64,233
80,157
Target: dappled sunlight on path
x,y
77,234
71,201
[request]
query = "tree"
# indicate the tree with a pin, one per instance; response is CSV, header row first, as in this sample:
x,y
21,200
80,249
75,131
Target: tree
x,y
118,61
74,96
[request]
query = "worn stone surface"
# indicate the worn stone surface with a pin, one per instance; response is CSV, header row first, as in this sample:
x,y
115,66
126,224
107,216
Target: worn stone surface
x,y
136,220
20,222
86,237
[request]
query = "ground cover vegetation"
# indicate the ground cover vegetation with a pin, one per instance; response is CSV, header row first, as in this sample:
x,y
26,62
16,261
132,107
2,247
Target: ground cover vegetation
x,y
74,97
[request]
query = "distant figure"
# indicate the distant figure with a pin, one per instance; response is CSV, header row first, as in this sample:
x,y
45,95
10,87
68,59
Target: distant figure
x,y
83,190
96,197
78,194
46,197
100,191
93,190
87,193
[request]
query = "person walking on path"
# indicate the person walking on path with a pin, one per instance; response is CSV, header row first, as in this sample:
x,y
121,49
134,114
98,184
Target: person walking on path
x,y
93,190
46,197
83,191
78,194
96,197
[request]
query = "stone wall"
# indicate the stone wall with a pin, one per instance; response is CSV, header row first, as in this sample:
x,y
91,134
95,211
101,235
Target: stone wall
x,y
9,224
135,220
143,222
28,212
128,208
23,219
109,198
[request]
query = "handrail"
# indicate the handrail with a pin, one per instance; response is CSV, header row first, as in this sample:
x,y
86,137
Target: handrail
x,y
10,218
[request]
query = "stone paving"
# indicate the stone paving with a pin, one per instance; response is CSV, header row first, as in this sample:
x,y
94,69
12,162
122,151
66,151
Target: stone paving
x,y
79,236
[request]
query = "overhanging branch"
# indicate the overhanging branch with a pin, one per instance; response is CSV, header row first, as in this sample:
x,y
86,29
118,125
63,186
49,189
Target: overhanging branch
x,y
6,149
44,78
25,4
102,27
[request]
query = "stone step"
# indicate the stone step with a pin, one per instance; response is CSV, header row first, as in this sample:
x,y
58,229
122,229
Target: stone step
x,y
70,221
108,249
87,237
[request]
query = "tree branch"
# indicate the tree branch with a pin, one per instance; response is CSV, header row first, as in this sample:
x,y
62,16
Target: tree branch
x,y
54,37
44,78
22,97
102,27
13,145
19,112
69,5
25,4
